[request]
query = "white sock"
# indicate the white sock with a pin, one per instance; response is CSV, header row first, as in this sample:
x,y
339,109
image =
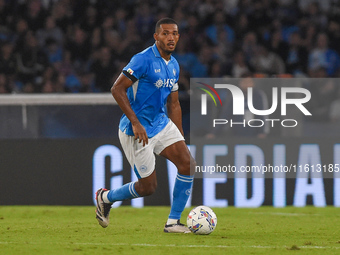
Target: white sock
x,y
171,221
105,199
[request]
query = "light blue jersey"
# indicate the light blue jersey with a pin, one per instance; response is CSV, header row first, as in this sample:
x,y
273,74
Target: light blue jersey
x,y
154,79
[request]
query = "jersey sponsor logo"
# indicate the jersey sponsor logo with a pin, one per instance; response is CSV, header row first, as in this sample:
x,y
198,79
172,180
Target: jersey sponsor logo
x,y
159,83
130,71
166,83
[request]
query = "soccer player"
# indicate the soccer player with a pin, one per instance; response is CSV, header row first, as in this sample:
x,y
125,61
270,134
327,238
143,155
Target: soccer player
x,y
147,93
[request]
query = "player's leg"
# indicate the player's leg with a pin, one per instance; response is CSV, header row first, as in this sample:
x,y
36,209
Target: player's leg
x,y
179,154
170,144
142,160
141,188
146,186
105,198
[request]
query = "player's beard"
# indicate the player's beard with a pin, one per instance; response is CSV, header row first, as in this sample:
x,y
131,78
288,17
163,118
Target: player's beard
x,y
165,48
169,51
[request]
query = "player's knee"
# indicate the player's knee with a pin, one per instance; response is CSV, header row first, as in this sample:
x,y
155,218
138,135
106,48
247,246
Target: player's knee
x,y
147,190
151,189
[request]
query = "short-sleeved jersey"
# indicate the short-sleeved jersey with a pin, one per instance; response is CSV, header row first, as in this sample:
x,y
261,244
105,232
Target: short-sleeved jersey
x,y
154,79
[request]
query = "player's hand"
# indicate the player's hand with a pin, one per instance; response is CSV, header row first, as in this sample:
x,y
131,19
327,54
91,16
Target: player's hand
x,y
140,133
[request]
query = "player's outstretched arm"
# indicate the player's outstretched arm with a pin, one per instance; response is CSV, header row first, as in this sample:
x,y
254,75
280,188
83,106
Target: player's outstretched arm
x,y
118,91
174,110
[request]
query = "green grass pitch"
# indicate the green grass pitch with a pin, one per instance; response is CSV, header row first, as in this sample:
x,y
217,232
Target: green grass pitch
x,y
74,230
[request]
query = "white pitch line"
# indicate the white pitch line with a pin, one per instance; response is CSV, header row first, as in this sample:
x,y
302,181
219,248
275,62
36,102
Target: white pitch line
x,y
285,214
183,246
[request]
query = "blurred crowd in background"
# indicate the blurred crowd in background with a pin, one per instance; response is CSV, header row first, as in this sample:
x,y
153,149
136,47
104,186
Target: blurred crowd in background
x,y
82,45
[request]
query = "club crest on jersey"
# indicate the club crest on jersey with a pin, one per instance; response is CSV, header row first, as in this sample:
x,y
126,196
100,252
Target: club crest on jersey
x,y
143,168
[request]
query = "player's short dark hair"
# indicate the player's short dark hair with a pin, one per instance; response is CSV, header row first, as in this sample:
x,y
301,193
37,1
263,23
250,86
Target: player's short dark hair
x,y
164,21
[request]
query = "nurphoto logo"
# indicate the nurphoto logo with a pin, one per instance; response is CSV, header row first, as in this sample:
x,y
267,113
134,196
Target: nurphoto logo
x,y
301,96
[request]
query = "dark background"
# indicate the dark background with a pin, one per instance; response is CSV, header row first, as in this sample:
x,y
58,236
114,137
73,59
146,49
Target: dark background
x,y
59,172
